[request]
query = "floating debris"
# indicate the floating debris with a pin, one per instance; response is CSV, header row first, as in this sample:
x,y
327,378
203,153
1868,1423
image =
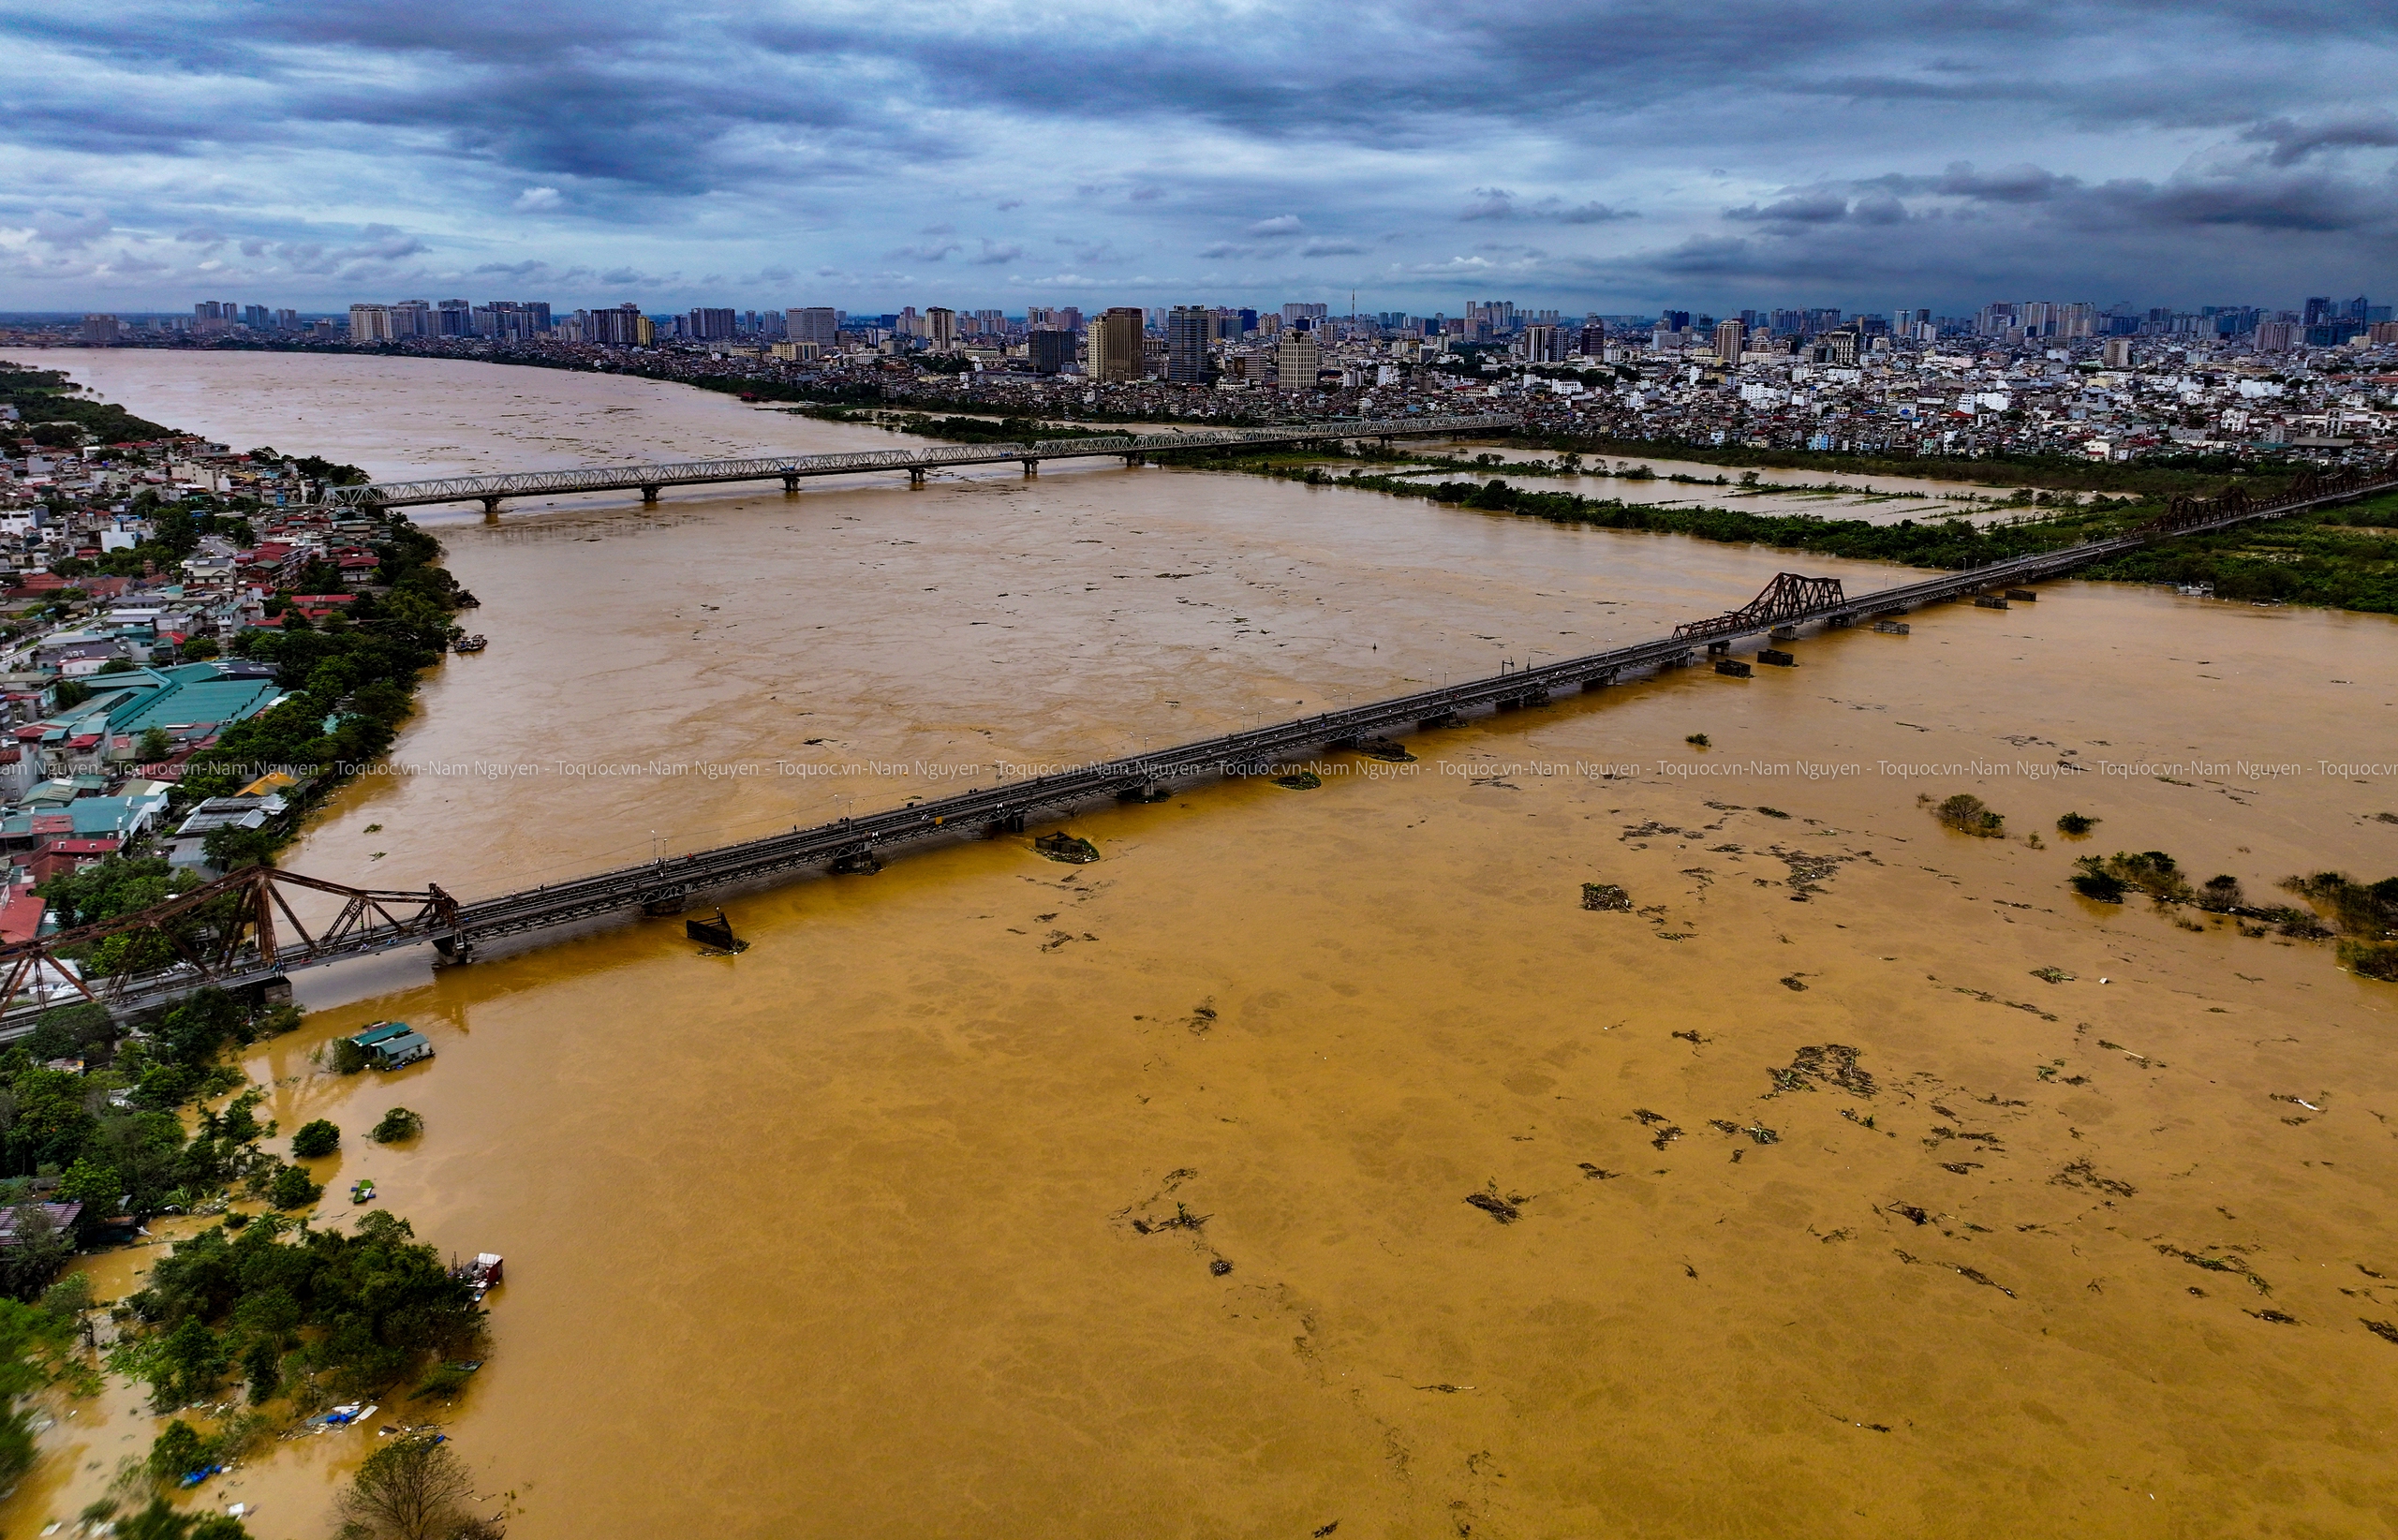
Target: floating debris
x,y
1598,1174
1386,749
2082,1174
1299,780
1496,1206
1792,982
1605,895
2386,1330
2276,1317
1074,850
1824,1063
857,863
2054,975
1986,1281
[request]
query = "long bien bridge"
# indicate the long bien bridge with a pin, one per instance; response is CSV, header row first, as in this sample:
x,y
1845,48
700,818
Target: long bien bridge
x,y
791,469
244,929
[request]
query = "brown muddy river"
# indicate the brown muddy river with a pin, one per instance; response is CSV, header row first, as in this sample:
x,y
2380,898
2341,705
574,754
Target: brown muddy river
x,y
873,1229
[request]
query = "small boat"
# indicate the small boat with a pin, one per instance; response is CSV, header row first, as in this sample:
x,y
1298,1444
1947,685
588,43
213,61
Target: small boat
x,y
471,643
361,1191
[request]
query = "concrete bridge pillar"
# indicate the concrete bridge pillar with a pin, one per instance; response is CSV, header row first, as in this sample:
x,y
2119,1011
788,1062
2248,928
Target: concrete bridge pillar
x,y
791,486
491,510
649,494
915,475
1032,467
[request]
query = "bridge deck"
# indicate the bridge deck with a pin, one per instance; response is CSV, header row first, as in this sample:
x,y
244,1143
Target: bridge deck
x,y
793,467
974,811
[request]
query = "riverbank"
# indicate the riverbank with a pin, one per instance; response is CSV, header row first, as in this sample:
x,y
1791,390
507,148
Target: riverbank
x,y
2340,557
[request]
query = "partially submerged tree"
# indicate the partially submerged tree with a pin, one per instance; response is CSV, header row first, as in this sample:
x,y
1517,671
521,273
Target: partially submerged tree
x,y
415,1487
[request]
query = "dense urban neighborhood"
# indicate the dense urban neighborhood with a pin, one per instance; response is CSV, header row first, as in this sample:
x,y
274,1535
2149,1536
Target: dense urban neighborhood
x,y
164,597
2015,379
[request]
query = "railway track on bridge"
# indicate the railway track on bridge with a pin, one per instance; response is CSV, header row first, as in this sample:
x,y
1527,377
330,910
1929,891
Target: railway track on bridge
x,y
248,950
791,469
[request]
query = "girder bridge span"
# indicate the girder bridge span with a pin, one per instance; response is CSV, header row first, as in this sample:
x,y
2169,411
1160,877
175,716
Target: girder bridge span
x,y
251,934
791,469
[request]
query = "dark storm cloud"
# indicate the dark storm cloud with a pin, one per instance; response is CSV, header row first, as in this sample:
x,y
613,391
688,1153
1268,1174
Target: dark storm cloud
x,y
1939,145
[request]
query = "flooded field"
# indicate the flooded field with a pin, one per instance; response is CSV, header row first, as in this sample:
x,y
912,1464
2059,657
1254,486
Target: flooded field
x,y
1317,1157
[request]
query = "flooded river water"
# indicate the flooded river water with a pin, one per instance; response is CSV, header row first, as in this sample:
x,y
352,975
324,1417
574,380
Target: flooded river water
x,y
989,1196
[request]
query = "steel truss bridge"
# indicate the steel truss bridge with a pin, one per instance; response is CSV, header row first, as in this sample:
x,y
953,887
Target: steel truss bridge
x,y
791,469
241,930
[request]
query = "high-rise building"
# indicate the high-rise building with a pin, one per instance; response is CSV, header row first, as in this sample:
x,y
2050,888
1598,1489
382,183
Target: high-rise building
x,y
1543,345
2277,336
1292,313
1050,349
1115,345
99,330
2317,308
1594,341
941,328
412,319
710,325
816,324
619,327
453,319
1730,336
2117,354
1186,344
1297,359
370,324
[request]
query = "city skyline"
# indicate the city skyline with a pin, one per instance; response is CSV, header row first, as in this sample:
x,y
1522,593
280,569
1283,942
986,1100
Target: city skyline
x,y
1590,158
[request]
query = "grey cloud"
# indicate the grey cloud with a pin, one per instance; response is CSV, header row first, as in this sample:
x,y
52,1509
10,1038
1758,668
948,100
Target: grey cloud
x,y
1489,203
2294,142
202,236
1281,225
68,232
1810,208
992,255
926,251
1331,248
1592,213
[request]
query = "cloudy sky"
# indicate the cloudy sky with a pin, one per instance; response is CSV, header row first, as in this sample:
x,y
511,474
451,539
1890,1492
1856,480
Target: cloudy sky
x,y
1610,157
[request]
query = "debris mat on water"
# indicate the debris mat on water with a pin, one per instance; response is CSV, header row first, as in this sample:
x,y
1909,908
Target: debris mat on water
x,y
1071,849
1606,896
1824,1063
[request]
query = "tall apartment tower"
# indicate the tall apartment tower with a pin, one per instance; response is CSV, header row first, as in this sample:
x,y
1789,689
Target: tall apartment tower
x,y
1049,349
1730,336
1115,345
709,325
1543,344
816,324
1186,344
1297,359
941,328
99,330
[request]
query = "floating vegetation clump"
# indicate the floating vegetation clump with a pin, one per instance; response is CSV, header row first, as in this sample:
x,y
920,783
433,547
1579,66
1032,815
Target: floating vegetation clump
x,y
1606,896
1071,849
2076,825
1825,1063
1386,751
1299,780
2153,872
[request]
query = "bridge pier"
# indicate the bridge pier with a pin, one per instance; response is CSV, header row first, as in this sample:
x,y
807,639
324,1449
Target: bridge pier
x,y
915,475
649,493
1032,467
791,486
491,510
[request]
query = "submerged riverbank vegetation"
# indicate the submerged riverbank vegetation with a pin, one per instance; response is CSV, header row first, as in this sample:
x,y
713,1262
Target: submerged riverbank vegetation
x,y
2361,917
2343,557
250,1328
